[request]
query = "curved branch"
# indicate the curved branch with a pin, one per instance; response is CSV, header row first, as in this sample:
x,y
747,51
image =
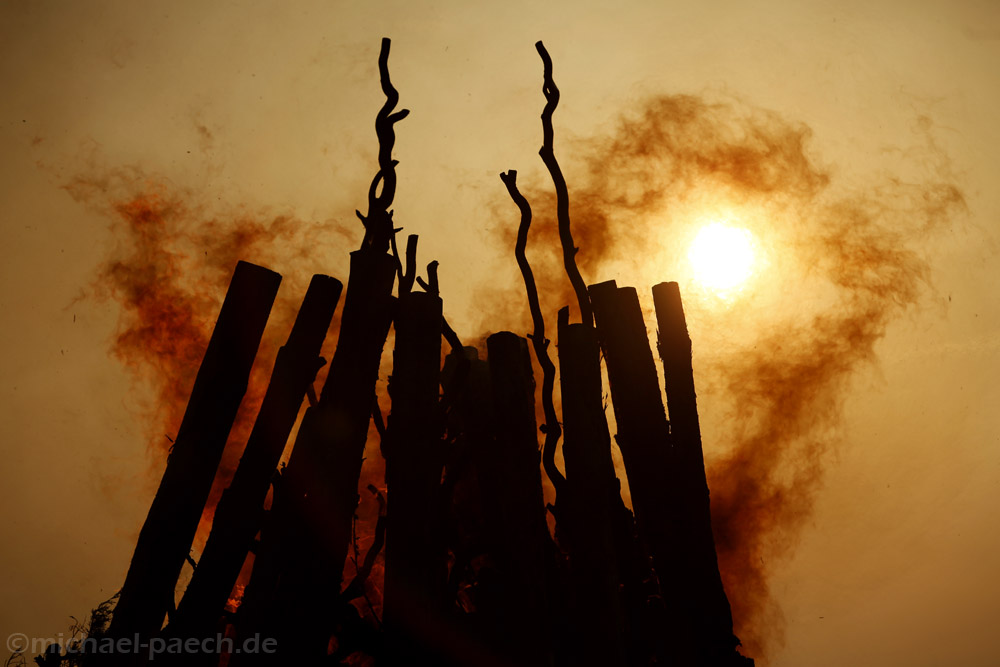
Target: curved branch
x,y
540,343
378,222
547,153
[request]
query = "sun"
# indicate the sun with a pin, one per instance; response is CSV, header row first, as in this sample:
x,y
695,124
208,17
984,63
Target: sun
x,y
722,257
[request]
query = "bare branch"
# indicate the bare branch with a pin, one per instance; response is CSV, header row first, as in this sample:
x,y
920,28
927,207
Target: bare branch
x,y
451,337
547,153
540,343
431,284
432,278
378,222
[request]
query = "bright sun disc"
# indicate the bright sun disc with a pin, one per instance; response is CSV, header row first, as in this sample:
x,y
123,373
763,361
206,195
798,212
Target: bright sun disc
x,y
722,257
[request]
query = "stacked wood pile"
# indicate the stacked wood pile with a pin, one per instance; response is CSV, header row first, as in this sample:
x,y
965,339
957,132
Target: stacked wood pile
x,y
473,573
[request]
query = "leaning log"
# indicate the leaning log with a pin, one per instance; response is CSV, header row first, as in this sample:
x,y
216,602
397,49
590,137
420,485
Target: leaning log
x,y
239,512
415,560
166,536
699,585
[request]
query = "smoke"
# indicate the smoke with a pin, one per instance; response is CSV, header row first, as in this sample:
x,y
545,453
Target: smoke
x,y
838,262
168,269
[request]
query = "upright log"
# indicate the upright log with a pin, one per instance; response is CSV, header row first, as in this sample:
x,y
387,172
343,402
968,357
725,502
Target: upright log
x,y
239,512
165,539
415,560
320,484
586,509
514,506
644,439
699,584
635,394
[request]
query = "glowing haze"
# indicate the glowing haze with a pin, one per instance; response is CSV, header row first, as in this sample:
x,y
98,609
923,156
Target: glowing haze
x,y
722,257
847,392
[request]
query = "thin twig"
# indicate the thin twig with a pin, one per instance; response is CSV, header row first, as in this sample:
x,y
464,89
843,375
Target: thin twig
x,y
451,337
551,428
356,588
547,152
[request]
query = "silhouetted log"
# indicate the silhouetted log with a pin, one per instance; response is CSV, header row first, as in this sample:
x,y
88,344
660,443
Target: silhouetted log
x,y
644,439
586,512
415,560
165,539
468,402
697,583
239,512
320,483
468,411
256,614
514,505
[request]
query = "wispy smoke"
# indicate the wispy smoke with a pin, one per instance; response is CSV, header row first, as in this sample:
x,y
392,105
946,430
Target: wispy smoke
x,y
168,270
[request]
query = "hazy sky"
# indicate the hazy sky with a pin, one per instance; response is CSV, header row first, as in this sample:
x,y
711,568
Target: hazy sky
x,y
266,109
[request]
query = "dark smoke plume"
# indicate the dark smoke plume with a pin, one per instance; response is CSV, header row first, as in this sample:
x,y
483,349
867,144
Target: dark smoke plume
x,y
838,264
168,268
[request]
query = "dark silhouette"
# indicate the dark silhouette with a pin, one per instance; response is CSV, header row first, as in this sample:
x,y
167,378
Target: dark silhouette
x,y
240,510
472,573
165,540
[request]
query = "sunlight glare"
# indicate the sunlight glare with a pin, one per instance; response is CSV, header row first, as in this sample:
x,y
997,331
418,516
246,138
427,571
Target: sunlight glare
x,y
722,257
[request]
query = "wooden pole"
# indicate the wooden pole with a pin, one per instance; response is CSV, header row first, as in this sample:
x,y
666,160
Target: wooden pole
x,y
698,583
165,539
320,483
239,512
585,512
644,439
514,506
415,562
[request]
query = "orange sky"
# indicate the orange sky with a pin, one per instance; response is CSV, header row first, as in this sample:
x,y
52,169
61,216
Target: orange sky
x,y
261,110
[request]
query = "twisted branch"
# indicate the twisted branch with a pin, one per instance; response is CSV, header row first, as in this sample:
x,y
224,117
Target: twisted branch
x,y
378,221
551,428
548,155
